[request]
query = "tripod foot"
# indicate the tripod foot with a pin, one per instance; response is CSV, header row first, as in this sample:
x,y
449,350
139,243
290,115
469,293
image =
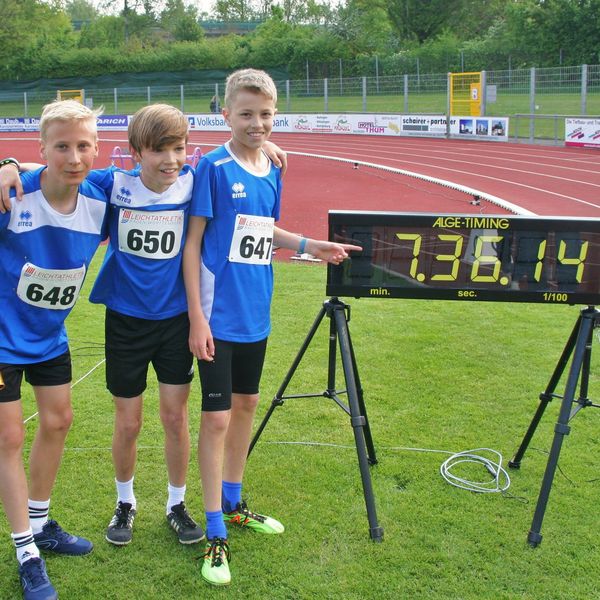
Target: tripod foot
x,y
376,534
514,464
534,539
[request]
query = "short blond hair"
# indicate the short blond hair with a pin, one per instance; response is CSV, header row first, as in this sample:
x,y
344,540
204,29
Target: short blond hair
x,y
155,126
67,110
252,80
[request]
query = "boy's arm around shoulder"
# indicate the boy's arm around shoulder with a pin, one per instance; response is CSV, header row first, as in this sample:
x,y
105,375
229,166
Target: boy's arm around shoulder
x,y
200,338
9,178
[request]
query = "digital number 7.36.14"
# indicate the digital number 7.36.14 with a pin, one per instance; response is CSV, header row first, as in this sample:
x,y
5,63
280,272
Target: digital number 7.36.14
x,y
483,259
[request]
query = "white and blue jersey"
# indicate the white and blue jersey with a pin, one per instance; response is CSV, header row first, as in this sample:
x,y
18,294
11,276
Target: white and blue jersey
x,y
44,258
236,277
141,275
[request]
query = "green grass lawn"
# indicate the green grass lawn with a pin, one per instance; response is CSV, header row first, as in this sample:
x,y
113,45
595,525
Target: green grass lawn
x,y
437,376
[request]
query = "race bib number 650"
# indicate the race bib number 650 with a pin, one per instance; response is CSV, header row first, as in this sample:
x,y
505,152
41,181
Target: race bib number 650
x,y
151,234
252,240
56,289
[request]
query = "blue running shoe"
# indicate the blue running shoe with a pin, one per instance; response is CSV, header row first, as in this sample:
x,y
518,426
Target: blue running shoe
x,y
35,582
54,539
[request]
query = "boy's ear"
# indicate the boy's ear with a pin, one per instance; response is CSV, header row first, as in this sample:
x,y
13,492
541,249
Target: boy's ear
x,y
136,156
43,151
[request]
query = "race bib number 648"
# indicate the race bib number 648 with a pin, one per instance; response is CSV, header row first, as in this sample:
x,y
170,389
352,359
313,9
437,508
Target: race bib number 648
x,y
252,240
56,289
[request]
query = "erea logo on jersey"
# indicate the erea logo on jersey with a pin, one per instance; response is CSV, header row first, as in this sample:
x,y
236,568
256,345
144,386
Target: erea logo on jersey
x,y
238,190
25,221
124,195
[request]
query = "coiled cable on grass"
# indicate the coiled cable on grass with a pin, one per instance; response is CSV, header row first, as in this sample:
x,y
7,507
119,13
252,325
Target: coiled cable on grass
x,y
500,481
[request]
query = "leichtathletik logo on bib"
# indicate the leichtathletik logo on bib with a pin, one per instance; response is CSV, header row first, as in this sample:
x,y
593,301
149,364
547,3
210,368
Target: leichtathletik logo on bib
x,y
252,241
152,234
56,289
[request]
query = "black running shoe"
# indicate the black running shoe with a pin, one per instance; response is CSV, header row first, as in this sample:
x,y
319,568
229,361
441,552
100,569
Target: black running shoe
x,y
120,528
187,530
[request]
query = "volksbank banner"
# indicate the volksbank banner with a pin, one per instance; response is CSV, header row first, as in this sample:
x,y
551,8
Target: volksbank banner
x,y
482,128
489,128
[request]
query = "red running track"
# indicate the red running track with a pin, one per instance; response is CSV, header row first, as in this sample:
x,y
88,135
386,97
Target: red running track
x,y
545,180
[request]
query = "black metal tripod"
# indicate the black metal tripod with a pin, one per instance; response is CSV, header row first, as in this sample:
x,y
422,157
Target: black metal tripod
x,y
339,315
579,345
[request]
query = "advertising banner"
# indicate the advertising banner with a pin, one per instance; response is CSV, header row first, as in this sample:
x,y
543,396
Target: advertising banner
x,y
479,128
582,132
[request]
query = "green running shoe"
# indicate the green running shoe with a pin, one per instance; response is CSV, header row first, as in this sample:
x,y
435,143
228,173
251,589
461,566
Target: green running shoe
x,y
215,568
243,517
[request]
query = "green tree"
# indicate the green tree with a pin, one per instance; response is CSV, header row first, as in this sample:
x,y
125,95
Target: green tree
x,y
365,26
29,29
234,10
181,21
81,10
103,32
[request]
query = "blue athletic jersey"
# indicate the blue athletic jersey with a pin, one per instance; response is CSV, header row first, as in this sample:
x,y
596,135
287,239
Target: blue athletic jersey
x,y
141,275
44,258
236,277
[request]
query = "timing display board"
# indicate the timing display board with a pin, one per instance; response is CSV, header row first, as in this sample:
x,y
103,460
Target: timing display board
x,y
467,257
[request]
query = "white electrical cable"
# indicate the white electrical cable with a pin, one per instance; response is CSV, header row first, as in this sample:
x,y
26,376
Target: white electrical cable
x,y
500,481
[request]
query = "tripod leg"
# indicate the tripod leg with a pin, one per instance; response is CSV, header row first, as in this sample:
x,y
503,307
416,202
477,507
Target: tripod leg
x,y
546,396
561,428
358,423
361,405
278,398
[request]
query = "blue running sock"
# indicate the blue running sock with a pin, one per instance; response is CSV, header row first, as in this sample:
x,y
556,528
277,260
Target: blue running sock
x,y
215,525
231,495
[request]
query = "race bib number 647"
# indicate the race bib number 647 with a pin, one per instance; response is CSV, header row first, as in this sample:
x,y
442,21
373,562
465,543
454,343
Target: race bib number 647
x,y
56,289
252,240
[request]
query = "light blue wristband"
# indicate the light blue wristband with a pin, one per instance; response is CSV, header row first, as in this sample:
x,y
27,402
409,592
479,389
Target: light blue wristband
x,y
302,245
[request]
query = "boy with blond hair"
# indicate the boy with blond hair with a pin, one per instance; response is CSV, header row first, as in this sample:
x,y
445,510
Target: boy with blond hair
x,y
46,246
229,283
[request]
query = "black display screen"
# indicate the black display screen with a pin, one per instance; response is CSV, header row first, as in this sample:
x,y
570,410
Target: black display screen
x,y
467,257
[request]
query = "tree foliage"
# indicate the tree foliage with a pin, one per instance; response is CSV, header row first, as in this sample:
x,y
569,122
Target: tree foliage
x,y
37,38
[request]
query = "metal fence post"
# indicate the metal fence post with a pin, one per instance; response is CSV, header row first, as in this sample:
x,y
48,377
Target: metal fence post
x,y
326,94
182,98
483,93
532,105
116,101
148,91
584,80
25,104
287,96
364,94
448,115
405,93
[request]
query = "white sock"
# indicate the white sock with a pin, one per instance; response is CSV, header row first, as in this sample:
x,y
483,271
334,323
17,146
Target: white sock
x,y
125,492
25,546
176,495
38,514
